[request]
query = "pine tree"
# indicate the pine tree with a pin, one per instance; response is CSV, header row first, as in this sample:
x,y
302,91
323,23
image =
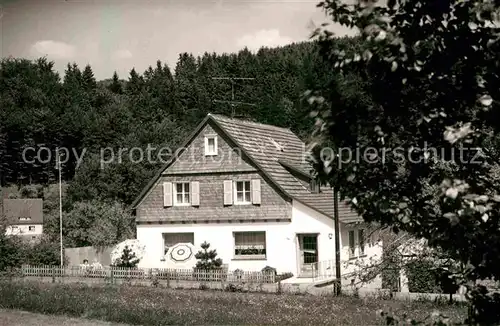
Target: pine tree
x,y
88,78
115,86
207,258
128,259
135,83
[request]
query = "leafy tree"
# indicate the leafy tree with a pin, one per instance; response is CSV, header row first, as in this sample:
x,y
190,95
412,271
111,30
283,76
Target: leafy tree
x,y
11,255
42,252
97,223
429,75
207,259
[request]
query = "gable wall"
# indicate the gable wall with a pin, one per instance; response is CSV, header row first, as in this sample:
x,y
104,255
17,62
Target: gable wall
x,y
193,159
23,229
193,165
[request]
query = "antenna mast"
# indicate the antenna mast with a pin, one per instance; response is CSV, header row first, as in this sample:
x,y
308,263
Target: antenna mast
x,y
233,102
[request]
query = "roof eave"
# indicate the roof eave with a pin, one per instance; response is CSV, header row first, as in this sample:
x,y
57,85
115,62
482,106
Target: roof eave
x,y
326,214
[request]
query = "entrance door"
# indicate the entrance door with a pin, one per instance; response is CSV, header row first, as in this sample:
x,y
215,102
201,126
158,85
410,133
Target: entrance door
x,y
308,254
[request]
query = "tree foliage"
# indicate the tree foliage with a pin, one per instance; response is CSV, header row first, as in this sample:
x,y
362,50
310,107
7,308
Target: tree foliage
x,y
19,250
157,108
128,259
97,223
207,258
429,72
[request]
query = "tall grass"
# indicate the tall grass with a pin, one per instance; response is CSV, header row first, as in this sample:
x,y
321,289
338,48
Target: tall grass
x,y
156,306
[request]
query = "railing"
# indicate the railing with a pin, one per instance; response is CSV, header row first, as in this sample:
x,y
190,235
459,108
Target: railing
x,y
149,273
322,270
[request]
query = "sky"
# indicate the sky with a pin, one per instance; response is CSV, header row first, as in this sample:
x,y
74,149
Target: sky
x,y
118,35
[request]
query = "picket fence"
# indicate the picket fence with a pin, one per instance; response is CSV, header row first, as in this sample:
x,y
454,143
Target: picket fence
x,y
216,275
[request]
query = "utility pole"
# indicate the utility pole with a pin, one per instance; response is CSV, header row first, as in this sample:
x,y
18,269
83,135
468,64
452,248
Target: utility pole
x,y
233,102
338,284
60,207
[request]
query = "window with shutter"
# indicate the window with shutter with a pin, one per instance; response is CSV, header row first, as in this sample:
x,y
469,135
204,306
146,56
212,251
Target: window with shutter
x,y
181,194
242,192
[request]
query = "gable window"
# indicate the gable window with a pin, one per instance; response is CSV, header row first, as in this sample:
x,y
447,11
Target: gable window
x,y
250,245
211,145
352,248
181,194
24,218
361,241
242,192
171,239
31,228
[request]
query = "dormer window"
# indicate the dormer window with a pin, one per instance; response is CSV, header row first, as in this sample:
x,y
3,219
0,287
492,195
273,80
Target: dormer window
x,y
314,186
211,145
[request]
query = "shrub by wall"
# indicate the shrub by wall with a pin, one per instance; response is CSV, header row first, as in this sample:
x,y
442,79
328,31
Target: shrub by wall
x,y
421,277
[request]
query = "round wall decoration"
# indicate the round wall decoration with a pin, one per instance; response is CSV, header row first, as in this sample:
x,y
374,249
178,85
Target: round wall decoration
x,y
181,252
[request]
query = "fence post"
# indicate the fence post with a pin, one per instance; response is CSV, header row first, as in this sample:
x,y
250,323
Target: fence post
x,y
53,274
222,277
168,279
112,276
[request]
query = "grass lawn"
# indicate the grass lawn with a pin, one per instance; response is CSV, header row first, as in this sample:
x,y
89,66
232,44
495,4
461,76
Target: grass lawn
x,y
23,318
156,306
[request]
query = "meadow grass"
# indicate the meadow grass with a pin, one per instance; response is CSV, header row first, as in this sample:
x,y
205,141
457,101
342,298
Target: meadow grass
x,y
159,306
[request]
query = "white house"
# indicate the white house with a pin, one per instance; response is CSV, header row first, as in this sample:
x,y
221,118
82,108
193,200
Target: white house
x,y
23,217
246,189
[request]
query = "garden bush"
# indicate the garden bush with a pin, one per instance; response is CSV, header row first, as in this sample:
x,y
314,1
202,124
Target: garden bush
x,y
422,278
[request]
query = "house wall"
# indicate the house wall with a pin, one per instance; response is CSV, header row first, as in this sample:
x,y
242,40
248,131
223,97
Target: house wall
x,y
307,220
23,229
281,241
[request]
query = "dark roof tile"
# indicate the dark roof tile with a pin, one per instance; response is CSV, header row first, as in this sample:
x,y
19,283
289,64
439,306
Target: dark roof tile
x,y
262,142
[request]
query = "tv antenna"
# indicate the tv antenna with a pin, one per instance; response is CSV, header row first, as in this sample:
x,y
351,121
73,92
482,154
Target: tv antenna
x,y
233,103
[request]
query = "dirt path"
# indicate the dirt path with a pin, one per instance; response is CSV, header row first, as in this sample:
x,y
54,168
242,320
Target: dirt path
x,y
22,318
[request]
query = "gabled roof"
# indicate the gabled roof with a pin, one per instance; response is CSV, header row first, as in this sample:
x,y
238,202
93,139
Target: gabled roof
x,y
23,211
272,149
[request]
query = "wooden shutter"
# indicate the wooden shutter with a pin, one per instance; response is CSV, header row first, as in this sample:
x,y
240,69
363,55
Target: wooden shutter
x,y
215,145
195,193
228,192
167,194
255,191
206,145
